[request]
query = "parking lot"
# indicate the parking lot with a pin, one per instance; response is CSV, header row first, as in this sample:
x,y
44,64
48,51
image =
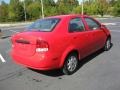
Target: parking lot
x,y
99,71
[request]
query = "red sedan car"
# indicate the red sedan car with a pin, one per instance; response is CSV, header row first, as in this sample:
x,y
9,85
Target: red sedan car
x,y
58,42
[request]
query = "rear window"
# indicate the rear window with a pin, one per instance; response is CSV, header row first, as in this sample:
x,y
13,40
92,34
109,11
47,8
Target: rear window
x,y
44,25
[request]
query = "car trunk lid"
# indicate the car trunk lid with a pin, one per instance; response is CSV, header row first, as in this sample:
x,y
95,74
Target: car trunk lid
x,y
25,43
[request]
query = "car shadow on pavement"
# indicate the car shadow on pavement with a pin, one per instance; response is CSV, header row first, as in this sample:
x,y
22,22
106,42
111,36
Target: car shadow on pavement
x,y
57,73
52,73
91,56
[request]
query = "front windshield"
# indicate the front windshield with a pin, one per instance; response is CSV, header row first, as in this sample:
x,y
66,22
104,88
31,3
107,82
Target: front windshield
x,y
44,25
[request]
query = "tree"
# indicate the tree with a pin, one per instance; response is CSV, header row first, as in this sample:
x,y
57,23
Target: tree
x,y
3,12
112,2
34,10
77,9
16,11
28,2
117,8
66,6
102,7
50,7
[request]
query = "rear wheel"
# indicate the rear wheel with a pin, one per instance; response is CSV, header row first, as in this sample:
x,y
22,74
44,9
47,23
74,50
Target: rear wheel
x,y
107,44
71,64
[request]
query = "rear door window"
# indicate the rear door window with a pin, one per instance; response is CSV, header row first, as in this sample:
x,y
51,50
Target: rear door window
x,y
76,25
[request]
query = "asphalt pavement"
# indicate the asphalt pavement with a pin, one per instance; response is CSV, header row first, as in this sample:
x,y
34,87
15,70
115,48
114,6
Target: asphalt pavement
x,y
99,71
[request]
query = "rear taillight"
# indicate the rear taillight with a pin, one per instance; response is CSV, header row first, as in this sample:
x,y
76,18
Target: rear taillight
x,y
41,46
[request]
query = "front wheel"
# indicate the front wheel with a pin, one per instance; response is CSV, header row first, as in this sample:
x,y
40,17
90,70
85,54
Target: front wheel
x,y
107,44
71,64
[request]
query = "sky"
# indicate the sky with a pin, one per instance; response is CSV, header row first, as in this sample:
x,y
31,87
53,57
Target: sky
x,y
7,1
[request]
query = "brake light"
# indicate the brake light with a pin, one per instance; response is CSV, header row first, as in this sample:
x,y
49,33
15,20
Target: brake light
x,y
41,46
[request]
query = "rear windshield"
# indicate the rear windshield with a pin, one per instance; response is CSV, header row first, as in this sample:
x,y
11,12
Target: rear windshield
x,y
44,25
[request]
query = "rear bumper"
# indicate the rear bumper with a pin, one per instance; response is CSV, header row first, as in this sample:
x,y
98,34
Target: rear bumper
x,y
39,61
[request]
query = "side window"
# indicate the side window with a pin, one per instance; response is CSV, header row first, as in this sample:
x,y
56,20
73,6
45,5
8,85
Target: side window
x,y
93,25
76,25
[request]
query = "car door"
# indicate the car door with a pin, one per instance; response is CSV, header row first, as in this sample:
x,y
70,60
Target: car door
x,y
97,34
80,37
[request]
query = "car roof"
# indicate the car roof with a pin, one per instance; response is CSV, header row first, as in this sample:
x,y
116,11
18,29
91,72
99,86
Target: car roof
x,y
67,16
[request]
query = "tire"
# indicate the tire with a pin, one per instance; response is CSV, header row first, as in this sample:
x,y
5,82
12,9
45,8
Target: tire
x,y
107,45
71,64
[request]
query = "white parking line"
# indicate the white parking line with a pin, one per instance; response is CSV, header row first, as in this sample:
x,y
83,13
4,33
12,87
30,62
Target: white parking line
x,y
2,59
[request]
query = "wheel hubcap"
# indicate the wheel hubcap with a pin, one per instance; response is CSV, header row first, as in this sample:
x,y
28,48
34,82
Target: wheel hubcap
x,y
108,44
72,63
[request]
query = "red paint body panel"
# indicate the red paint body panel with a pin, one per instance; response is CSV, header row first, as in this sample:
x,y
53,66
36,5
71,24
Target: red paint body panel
x,y
60,41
